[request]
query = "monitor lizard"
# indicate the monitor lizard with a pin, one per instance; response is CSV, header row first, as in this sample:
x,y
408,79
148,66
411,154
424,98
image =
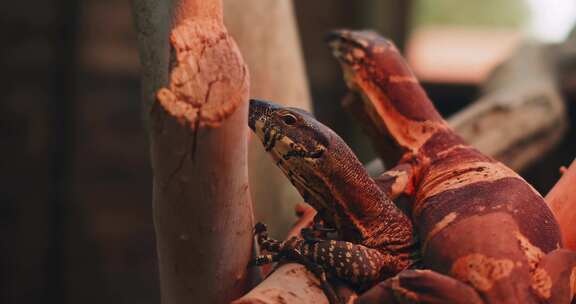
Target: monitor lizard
x,y
479,222
375,238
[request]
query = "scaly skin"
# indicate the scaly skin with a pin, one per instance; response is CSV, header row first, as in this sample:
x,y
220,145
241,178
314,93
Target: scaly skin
x,y
375,237
480,223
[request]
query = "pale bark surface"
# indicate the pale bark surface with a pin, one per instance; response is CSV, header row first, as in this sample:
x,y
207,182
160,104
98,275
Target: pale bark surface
x,y
198,137
290,283
562,200
521,115
267,35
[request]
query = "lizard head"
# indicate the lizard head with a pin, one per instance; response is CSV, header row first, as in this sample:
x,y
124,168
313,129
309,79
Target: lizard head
x,y
297,143
352,48
316,160
327,174
383,85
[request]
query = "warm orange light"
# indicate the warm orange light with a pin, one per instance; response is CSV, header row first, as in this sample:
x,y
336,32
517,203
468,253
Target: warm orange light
x,y
458,54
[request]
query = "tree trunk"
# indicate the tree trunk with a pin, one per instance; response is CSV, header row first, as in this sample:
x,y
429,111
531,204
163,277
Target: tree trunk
x,y
272,52
198,138
562,200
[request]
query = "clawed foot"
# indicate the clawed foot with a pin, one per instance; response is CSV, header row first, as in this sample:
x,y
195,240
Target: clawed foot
x,y
288,251
266,243
317,232
264,259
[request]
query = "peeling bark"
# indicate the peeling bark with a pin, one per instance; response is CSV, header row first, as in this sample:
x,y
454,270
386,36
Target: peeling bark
x,y
209,80
198,137
562,200
273,54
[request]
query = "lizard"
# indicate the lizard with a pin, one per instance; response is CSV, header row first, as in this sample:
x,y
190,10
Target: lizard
x,y
487,236
375,238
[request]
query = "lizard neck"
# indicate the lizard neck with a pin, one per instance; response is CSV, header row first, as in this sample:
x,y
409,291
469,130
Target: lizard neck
x,y
409,119
397,103
360,209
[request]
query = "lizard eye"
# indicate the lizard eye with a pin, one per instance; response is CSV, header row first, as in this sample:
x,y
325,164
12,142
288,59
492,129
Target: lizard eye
x,y
288,119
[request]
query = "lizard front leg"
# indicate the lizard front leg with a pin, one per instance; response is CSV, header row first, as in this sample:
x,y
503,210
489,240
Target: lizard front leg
x,y
420,286
349,262
293,250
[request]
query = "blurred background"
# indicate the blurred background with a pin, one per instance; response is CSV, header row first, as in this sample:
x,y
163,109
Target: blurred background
x,y
75,212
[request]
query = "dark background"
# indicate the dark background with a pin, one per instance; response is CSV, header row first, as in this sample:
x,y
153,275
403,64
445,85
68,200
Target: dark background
x,y
75,194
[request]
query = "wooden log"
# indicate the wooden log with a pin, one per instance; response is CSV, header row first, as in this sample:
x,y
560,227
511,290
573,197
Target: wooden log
x,y
196,91
290,283
562,200
521,115
273,54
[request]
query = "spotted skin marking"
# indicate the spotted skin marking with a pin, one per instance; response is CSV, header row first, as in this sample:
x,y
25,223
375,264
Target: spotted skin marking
x,y
402,78
453,177
356,264
396,181
481,271
439,226
533,254
542,283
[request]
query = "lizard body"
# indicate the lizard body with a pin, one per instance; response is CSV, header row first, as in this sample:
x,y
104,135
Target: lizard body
x,y
480,223
376,239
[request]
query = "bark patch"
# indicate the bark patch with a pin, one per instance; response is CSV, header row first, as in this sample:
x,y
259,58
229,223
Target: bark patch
x,y
208,79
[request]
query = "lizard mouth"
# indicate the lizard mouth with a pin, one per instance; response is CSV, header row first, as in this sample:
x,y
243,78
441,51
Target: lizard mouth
x,y
351,47
339,44
257,110
345,43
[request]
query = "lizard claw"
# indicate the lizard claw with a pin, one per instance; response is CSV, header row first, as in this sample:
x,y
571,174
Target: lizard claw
x,y
263,260
322,228
260,227
309,236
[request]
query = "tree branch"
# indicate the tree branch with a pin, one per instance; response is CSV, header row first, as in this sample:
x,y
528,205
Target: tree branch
x,y
198,135
522,115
